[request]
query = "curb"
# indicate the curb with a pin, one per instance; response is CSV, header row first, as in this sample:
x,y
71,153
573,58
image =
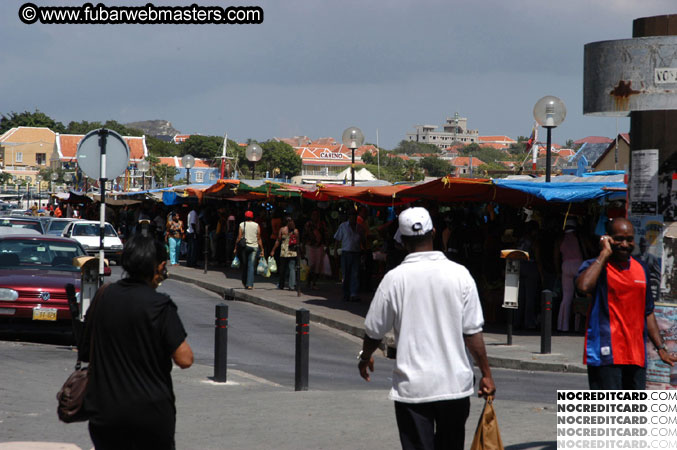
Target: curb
x,y
230,294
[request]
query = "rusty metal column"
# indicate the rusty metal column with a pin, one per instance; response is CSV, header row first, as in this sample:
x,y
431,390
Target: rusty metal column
x,y
656,129
638,78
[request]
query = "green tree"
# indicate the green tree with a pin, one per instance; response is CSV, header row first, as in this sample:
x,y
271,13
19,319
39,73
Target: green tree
x,y
368,158
281,156
5,178
46,174
411,147
411,171
164,174
569,143
85,127
157,147
29,119
435,167
206,147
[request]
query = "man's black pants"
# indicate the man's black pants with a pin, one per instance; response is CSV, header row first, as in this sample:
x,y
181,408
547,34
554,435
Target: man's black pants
x,y
434,425
616,377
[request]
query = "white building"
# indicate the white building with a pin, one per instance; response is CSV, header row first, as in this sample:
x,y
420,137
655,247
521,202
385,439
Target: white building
x,y
454,130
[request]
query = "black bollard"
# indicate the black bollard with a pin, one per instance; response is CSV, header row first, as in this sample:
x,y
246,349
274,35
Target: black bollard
x,y
302,349
221,343
546,321
509,313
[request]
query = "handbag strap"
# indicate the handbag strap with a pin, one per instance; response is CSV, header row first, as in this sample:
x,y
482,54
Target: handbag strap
x,y
92,307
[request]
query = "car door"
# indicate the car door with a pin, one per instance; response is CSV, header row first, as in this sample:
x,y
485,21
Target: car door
x,y
68,230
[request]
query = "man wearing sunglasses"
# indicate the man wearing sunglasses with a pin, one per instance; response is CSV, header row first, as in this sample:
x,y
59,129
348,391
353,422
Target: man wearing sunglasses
x,y
621,316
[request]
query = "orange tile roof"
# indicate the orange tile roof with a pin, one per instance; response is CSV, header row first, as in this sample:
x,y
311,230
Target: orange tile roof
x,y
67,146
463,161
323,142
28,135
593,140
495,139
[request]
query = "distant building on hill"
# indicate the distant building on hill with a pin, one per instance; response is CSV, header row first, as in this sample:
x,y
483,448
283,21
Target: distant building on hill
x,y
455,129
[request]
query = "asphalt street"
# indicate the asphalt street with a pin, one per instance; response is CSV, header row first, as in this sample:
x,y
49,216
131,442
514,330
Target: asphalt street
x,y
258,408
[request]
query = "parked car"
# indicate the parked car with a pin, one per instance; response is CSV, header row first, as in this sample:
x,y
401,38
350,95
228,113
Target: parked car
x,y
56,225
34,270
32,223
86,232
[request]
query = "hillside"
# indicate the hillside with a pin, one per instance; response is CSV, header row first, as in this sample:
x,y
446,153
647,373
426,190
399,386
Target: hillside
x,y
155,127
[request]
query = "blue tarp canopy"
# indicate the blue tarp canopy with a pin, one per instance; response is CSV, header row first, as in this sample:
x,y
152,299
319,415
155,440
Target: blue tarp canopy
x,y
569,192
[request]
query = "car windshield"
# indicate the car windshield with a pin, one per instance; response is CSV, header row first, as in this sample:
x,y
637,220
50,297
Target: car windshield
x,y
28,253
18,223
57,226
92,229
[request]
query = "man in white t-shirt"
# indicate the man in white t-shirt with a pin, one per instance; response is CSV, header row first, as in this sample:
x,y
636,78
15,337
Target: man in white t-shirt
x,y
432,306
191,238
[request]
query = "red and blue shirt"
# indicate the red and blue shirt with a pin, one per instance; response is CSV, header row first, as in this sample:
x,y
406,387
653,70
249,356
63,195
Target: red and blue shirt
x,y
616,331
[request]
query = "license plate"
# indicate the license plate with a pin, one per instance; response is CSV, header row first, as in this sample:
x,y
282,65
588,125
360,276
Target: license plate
x,y
7,311
44,313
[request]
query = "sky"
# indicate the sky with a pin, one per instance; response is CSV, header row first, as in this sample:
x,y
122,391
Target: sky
x,y
316,67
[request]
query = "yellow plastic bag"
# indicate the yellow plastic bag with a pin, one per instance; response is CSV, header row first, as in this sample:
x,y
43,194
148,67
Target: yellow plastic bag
x,y
305,268
487,435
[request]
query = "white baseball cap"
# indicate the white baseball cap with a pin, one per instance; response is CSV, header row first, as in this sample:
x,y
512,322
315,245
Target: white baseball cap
x,y
415,222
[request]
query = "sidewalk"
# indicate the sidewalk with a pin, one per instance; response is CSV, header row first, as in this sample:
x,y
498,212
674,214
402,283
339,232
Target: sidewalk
x,y
326,306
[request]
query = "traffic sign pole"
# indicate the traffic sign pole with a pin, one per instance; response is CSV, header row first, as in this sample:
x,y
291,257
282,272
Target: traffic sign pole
x,y
103,136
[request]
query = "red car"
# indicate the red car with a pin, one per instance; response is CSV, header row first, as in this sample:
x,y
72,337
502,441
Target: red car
x,y
34,272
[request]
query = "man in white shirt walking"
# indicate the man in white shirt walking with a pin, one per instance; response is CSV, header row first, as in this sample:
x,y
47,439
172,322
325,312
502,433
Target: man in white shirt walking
x,y
351,236
433,307
191,238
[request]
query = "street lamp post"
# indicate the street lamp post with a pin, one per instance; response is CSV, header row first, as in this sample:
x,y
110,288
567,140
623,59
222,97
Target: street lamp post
x,y
143,167
254,153
38,178
352,138
188,162
549,112
54,176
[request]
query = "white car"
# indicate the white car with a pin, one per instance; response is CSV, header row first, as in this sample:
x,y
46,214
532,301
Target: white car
x,y
86,232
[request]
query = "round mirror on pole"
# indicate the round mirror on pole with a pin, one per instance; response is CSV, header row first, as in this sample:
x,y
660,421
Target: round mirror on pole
x,y
254,153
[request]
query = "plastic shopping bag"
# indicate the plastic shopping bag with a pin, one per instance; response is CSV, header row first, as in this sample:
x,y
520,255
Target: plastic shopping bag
x,y
305,269
487,435
236,263
272,265
262,267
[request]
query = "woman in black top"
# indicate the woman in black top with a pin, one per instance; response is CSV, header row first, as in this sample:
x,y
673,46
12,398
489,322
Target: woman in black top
x,y
135,333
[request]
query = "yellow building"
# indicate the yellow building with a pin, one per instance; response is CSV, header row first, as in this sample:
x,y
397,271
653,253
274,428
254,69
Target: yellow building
x,y
25,150
607,160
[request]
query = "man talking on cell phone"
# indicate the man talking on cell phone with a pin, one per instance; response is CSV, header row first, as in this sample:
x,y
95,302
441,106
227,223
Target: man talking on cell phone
x,y
621,315
432,305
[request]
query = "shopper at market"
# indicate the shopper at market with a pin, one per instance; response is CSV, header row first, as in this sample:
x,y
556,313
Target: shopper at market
x,y
133,334
253,249
288,241
173,237
568,258
314,234
351,237
433,307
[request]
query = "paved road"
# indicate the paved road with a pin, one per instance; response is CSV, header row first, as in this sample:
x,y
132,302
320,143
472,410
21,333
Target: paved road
x,y
257,408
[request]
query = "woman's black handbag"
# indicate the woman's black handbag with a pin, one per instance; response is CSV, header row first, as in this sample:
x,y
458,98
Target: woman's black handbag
x,y
242,243
71,397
